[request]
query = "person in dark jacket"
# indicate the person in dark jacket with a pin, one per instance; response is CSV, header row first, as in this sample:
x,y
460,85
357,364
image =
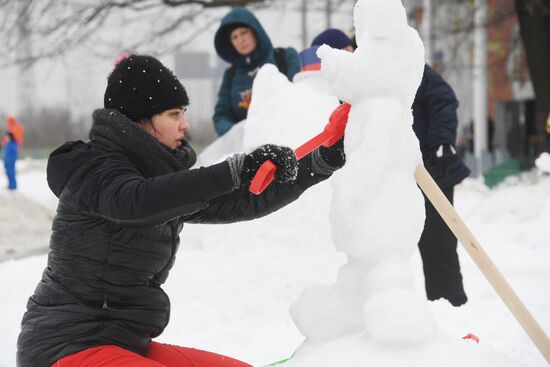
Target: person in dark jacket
x,y
435,124
123,199
9,156
242,42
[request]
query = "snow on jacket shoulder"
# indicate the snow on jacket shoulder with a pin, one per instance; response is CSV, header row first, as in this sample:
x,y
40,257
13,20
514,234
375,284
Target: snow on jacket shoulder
x,y
234,94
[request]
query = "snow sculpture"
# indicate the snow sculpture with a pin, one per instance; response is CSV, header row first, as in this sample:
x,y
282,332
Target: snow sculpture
x,y
378,235
372,315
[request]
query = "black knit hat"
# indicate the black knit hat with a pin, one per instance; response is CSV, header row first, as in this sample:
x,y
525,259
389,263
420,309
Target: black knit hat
x,y
140,87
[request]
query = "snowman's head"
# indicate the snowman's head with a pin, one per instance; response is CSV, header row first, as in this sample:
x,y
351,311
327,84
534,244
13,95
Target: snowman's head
x,y
378,19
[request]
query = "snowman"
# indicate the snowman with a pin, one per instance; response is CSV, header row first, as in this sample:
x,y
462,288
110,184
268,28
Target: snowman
x,y
374,290
372,315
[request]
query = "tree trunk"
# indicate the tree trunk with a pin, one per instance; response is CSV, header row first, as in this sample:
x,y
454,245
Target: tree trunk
x,y
534,22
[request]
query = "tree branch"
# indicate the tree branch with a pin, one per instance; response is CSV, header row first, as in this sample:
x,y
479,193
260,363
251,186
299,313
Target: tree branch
x,y
57,26
211,3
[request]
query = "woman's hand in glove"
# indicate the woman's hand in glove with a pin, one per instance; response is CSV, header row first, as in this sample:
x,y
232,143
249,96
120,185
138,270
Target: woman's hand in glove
x,y
282,157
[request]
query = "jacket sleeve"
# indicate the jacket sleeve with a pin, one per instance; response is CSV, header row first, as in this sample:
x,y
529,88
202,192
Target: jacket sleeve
x,y
242,205
292,62
118,193
223,116
440,105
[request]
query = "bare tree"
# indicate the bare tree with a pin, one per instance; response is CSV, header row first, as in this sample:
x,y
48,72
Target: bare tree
x,y
51,127
57,26
534,20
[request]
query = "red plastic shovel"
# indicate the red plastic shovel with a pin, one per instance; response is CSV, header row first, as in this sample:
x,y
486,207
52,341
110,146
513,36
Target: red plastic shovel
x,y
332,132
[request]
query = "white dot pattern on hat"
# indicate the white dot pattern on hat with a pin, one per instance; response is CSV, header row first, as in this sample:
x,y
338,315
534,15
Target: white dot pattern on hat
x,y
124,96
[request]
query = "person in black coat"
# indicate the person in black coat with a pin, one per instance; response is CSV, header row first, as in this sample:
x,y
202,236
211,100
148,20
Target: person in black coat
x,y
435,124
123,199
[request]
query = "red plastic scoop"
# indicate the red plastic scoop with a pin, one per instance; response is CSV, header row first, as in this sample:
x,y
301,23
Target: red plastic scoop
x,y
332,132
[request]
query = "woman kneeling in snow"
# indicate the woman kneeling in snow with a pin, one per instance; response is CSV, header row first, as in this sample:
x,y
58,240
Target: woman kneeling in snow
x,y
123,199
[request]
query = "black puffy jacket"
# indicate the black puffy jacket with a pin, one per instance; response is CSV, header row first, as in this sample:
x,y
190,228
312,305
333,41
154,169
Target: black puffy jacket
x,y
435,123
123,199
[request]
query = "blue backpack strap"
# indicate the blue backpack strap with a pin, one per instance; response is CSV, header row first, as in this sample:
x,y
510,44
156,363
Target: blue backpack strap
x,y
231,75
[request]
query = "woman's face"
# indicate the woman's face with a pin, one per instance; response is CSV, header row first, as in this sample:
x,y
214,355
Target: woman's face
x,y
168,127
243,40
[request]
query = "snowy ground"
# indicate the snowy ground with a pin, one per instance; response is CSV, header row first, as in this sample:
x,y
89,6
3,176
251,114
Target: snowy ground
x,y
232,285
26,214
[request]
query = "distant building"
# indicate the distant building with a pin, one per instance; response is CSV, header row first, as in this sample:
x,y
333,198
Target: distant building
x,y
512,129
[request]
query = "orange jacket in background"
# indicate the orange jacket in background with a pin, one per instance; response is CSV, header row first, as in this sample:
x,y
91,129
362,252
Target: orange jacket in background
x,y
16,128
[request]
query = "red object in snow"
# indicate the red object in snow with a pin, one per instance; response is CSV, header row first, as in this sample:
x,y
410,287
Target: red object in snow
x,y
332,132
158,355
471,336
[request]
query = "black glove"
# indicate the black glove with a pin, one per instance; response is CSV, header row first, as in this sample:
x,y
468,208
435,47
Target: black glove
x,y
282,157
440,160
334,155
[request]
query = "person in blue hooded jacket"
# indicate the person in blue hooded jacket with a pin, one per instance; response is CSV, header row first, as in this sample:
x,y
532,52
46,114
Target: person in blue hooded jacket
x,y
10,157
242,42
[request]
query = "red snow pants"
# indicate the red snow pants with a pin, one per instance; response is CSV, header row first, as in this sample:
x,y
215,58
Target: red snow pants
x,y
159,355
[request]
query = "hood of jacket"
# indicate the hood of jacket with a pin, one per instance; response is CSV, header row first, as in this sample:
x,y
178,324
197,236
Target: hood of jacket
x,y
66,160
224,48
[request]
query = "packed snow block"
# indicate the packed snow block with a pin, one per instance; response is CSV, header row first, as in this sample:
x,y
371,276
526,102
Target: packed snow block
x,y
351,275
359,351
25,224
278,101
368,226
393,272
543,163
388,60
324,312
383,19
398,316
221,148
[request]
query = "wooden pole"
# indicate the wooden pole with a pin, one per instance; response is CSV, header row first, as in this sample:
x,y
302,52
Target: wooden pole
x,y
482,260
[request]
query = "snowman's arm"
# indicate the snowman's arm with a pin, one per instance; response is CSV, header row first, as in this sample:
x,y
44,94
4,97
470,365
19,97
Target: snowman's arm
x,y
333,59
